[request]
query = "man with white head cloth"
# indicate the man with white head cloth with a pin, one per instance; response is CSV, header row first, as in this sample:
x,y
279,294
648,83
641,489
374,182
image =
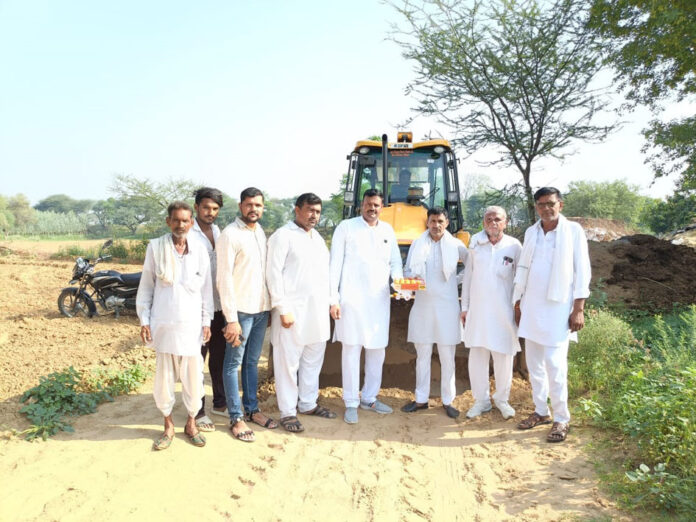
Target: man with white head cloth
x,y
487,312
364,253
433,257
552,283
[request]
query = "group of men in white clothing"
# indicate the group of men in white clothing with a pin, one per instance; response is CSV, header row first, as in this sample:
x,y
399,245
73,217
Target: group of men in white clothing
x,y
239,282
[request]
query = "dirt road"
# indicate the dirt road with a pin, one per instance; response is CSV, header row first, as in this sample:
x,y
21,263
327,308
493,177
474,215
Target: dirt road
x,y
399,467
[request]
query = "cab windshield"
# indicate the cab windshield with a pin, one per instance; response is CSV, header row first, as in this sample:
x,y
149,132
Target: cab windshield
x,y
413,176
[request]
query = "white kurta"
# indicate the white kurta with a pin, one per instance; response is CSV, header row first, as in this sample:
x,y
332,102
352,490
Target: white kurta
x,y
297,274
544,321
434,317
197,233
487,294
362,259
178,312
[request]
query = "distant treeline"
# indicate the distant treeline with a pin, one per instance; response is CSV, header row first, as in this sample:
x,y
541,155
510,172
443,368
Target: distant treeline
x,y
137,209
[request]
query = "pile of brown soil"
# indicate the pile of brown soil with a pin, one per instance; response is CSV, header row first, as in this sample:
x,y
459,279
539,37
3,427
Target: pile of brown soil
x,y
597,229
644,272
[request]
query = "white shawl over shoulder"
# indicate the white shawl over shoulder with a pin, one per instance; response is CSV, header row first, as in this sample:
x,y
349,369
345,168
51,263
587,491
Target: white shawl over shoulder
x,y
165,264
561,265
421,249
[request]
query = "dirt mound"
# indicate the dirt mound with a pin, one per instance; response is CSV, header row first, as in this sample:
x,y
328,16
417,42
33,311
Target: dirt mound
x,y
644,272
597,229
686,236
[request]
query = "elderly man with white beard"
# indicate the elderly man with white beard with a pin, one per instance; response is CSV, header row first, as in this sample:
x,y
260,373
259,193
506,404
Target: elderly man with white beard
x,y
433,257
364,253
297,273
551,285
175,307
487,312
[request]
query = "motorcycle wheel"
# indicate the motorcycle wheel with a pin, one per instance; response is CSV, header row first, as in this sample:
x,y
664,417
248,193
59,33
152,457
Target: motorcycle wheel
x,y
72,304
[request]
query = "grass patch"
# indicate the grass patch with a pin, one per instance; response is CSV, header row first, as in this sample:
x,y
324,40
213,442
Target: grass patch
x,y
132,251
640,381
72,392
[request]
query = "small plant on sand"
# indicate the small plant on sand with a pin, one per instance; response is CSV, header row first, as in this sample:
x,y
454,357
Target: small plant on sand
x,y
71,392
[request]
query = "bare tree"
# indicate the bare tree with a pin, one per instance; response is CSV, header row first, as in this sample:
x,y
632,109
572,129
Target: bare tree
x,y
512,74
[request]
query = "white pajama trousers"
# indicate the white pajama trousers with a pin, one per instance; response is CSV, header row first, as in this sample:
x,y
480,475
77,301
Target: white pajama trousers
x,y
548,373
350,366
187,369
296,369
479,360
423,364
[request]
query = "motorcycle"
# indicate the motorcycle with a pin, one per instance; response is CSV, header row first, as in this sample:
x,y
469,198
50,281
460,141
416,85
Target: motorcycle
x,y
112,290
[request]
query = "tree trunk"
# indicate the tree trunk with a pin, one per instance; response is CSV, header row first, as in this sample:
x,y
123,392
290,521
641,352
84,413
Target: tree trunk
x,y
528,193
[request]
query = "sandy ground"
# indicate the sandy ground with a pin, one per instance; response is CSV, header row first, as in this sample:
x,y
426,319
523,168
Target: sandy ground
x,y
422,466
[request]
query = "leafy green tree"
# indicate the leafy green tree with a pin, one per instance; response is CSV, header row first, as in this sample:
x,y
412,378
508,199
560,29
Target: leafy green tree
x,y
159,195
228,212
131,212
651,45
516,75
24,215
673,214
277,212
6,216
607,200
62,204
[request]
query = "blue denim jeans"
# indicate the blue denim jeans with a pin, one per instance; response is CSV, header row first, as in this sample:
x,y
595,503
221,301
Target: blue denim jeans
x,y
247,356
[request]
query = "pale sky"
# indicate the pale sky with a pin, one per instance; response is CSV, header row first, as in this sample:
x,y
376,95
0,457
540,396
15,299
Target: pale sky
x,y
227,93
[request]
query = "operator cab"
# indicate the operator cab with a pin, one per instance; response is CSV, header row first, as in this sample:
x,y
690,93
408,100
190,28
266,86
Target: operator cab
x,y
418,176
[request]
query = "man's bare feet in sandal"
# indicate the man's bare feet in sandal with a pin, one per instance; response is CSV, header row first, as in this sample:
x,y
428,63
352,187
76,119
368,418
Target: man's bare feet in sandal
x,y
262,420
559,432
242,432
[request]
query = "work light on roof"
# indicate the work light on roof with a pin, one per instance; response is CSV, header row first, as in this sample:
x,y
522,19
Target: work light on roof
x,y
439,149
364,150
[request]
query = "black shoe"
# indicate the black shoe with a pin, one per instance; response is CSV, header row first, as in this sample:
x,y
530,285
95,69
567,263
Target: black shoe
x,y
414,406
451,411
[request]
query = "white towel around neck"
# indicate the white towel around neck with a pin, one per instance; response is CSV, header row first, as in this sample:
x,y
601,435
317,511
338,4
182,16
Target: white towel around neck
x,y
165,264
561,264
449,246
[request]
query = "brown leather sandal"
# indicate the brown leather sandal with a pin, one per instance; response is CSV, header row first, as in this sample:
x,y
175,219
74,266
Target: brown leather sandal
x,y
559,432
534,420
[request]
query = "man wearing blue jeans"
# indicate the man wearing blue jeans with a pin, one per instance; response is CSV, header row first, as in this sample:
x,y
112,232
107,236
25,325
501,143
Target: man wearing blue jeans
x,y
241,282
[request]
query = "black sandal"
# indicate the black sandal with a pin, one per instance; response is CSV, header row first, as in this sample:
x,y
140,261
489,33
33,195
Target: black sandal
x,y
291,424
320,411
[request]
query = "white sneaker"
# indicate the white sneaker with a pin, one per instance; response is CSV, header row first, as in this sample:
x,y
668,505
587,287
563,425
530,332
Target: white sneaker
x,y
478,408
505,408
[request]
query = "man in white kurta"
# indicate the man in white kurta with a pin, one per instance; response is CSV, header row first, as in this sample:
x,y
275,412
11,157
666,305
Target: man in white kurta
x,y
433,257
208,202
551,285
175,306
364,253
297,272
487,312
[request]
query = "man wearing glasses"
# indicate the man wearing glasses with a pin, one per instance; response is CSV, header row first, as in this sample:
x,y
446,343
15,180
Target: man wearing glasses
x,y
551,285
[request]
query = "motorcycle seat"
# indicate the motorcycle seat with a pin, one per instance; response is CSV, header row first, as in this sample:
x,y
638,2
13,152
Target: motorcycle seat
x,y
131,279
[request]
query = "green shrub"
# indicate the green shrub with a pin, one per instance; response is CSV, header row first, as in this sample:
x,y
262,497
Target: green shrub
x,y
73,251
606,353
119,250
658,410
644,387
71,393
137,249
